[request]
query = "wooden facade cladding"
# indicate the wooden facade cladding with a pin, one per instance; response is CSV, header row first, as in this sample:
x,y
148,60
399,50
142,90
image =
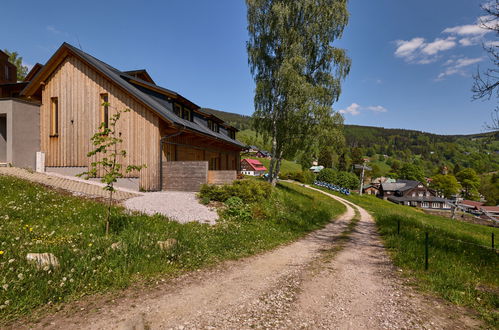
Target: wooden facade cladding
x,y
79,89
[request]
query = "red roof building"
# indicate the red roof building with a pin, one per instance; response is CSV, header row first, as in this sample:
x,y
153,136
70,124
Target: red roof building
x,y
252,167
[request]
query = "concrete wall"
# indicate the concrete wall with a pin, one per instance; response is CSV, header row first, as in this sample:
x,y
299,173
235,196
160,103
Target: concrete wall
x,y
221,177
3,138
184,175
23,131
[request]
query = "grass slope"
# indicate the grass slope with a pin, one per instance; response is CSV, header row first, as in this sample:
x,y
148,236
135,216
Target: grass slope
x,y
34,219
287,166
465,274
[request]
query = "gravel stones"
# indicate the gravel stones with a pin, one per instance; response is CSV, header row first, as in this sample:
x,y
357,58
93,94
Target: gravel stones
x,y
180,206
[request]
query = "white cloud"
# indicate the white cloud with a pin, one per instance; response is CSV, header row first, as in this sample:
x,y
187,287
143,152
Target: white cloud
x,y
467,30
354,109
439,45
457,66
54,30
406,48
417,50
376,108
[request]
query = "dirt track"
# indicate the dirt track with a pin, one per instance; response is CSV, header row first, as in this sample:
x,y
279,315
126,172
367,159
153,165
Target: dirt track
x,y
321,281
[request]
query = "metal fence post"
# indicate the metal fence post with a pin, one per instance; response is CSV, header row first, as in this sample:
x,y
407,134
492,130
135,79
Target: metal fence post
x,y
426,251
398,227
493,246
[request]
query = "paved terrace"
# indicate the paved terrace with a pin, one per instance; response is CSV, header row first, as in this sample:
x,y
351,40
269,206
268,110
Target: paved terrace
x,y
75,186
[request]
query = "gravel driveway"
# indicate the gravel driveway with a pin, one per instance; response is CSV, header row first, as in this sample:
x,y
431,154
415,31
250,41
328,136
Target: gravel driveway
x,y
180,206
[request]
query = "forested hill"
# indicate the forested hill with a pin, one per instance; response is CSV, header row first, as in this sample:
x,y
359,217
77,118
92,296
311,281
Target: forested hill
x,y
370,136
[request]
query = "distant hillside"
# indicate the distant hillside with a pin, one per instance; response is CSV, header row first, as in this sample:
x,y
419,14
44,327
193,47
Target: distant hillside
x,y
241,122
364,136
431,151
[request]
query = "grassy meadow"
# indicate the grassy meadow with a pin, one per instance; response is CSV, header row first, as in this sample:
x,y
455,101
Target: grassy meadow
x,y
287,166
34,219
464,273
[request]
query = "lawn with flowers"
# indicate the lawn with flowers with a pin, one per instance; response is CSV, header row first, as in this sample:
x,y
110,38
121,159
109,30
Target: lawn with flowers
x,y
35,219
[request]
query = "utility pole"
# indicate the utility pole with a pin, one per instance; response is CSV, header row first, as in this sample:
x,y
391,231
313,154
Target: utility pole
x,y
363,167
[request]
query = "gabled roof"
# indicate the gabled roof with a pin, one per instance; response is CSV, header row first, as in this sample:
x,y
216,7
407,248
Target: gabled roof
x,y
141,74
32,73
152,96
400,185
255,164
471,203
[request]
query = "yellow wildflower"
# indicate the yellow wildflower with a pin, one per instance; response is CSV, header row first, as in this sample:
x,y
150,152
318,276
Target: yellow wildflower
x,y
30,229
1,252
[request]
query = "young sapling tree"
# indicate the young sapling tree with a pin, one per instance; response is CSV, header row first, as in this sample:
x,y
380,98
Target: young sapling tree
x,y
107,142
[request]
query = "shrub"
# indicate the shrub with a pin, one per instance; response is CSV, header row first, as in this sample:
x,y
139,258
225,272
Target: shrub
x,y
301,176
237,209
341,178
249,191
327,175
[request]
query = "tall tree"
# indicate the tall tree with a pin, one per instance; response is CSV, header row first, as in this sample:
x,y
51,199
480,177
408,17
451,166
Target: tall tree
x,y
17,60
470,182
486,83
297,72
411,172
446,185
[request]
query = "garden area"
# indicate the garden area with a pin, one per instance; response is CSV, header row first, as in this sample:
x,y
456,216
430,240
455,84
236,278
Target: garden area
x,y
35,219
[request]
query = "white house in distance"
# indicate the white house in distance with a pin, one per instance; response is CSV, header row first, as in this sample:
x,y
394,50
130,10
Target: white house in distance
x,y
252,167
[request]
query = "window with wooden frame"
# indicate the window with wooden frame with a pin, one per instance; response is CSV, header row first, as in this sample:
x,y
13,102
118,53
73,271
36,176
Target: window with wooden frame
x,y
186,114
232,134
54,117
104,110
177,109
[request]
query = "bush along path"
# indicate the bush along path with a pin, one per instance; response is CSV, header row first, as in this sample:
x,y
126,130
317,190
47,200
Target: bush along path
x,y
336,277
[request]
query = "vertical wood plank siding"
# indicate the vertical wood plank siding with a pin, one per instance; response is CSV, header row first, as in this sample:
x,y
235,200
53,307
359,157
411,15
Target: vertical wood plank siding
x,y
78,89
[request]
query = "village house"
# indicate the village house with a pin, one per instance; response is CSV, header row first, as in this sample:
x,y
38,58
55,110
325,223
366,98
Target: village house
x,y
181,145
252,167
19,120
412,193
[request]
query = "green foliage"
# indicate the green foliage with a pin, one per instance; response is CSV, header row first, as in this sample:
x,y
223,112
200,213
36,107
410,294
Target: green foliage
x,y
340,178
298,74
446,185
248,191
237,209
107,150
327,175
410,171
489,188
36,219
470,182
300,176
17,60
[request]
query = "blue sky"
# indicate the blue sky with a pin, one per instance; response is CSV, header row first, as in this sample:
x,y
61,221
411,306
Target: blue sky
x,y
412,61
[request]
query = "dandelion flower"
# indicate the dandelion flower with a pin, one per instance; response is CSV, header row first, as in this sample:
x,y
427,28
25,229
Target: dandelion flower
x,y
2,252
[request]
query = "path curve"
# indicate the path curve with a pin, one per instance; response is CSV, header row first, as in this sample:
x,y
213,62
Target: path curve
x,y
307,284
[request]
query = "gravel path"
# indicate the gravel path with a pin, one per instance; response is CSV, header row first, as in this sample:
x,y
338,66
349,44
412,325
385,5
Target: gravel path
x,y
180,206
319,282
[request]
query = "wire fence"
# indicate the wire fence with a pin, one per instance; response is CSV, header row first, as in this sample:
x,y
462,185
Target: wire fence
x,y
427,242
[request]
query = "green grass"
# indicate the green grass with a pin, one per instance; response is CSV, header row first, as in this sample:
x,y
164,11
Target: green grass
x,y
36,219
465,274
287,166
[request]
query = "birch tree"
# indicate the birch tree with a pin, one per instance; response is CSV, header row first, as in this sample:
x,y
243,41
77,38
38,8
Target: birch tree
x,y
297,71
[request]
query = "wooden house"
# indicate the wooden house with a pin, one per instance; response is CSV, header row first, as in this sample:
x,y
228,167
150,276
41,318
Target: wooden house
x,y
181,145
412,193
252,167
